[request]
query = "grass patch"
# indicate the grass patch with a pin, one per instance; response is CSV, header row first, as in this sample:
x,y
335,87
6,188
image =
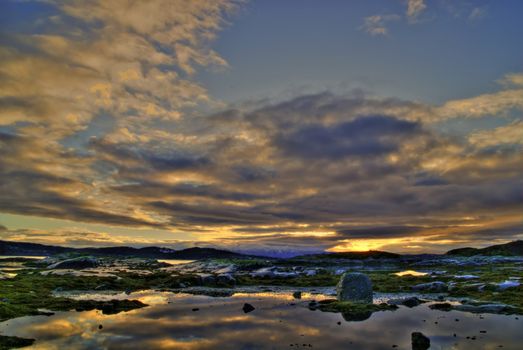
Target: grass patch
x,y
28,292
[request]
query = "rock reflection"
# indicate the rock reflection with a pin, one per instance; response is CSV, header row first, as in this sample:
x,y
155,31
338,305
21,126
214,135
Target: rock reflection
x,y
275,323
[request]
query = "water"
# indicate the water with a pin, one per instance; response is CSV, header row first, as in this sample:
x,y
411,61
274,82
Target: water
x,y
175,262
22,256
220,323
411,273
8,268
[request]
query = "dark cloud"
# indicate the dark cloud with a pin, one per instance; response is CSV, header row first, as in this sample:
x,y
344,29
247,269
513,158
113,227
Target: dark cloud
x,y
28,188
144,159
379,232
150,189
354,166
250,173
364,136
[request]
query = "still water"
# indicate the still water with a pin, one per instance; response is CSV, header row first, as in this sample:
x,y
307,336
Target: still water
x,y
175,262
278,322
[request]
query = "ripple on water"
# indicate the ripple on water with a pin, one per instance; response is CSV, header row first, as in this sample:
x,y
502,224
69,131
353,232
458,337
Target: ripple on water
x,y
183,321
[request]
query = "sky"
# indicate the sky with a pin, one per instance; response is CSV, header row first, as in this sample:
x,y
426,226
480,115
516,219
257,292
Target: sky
x,y
268,127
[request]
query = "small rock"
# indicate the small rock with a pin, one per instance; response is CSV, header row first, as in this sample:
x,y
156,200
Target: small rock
x,y
441,306
408,302
296,295
248,308
419,341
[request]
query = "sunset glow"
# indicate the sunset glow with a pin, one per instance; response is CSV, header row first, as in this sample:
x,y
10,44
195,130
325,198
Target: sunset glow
x,y
262,126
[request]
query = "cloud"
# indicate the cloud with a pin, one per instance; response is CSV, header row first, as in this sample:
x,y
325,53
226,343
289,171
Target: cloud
x,y
508,134
316,171
415,8
364,136
78,238
128,58
379,232
513,79
487,104
377,24
477,13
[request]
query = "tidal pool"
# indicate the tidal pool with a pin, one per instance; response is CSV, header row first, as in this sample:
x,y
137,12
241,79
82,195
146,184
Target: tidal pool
x,y
410,273
175,262
183,321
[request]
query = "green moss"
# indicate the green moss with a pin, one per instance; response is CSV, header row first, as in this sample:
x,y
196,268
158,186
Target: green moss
x,y
511,296
14,342
28,292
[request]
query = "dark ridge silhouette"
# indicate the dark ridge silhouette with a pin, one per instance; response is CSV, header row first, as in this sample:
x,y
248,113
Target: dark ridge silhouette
x,y
374,254
508,249
34,249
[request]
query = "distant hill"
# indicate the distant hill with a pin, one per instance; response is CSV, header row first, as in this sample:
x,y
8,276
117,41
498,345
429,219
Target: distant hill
x,y
33,249
374,254
509,249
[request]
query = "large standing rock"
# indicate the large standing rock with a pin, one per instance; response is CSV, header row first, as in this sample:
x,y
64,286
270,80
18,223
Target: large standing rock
x,y
355,287
419,341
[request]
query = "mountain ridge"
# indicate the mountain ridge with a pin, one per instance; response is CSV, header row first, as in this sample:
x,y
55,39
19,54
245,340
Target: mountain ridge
x,y
513,248
194,253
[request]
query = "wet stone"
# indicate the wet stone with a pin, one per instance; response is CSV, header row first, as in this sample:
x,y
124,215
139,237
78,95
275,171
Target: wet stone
x,y
419,341
354,287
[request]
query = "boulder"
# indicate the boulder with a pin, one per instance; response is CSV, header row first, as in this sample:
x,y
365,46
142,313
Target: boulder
x,y
207,279
75,263
226,270
434,287
507,284
310,272
419,341
225,279
265,272
354,287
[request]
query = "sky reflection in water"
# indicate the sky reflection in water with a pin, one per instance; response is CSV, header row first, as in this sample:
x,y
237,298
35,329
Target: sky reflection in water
x,y
219,323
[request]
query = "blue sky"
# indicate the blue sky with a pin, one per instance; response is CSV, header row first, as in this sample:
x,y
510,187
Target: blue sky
x,y
264,126
274,47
